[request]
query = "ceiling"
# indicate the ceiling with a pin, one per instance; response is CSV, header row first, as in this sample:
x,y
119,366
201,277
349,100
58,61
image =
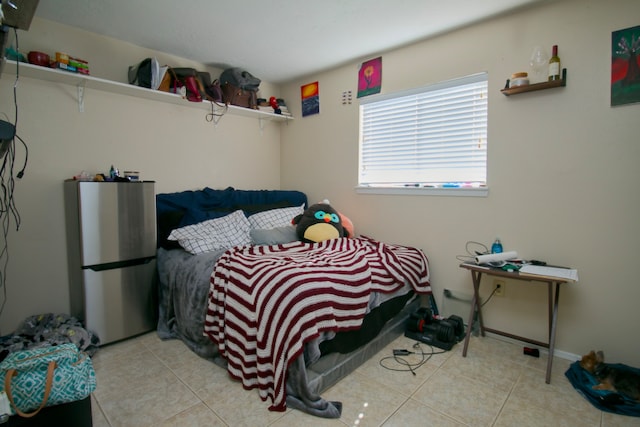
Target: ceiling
x,y
276,40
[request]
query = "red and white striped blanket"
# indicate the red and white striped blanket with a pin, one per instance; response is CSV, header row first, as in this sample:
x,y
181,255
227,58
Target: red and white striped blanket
x,y
265,302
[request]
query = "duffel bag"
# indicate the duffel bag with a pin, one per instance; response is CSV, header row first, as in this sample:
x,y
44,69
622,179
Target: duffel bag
x,y
46,376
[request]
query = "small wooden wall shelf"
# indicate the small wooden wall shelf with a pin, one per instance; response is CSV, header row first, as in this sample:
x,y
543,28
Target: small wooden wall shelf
x,y
536,86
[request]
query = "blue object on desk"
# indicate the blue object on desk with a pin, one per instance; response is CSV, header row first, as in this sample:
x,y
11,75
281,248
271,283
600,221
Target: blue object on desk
x,y
496,248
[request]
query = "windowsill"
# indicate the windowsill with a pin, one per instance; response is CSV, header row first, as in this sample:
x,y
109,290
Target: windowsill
x,y
425,191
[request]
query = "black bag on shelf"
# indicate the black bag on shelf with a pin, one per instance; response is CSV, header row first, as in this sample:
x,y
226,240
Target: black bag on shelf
x,y
148,74
140,75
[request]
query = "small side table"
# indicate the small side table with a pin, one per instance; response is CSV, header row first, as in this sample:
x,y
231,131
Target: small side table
x,y
552,283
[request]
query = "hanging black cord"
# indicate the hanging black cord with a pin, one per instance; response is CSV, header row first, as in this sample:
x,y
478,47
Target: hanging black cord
x,y
6,210
15,103
214,116
20,174
8,207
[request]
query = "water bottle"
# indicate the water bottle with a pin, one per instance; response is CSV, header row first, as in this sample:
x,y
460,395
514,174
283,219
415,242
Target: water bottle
x,y
496,248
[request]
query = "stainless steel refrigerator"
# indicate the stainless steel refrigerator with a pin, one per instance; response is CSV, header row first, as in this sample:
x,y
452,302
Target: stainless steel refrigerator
x,y
111,241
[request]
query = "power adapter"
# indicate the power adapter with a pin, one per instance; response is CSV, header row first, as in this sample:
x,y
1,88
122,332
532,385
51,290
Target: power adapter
x,y
401,352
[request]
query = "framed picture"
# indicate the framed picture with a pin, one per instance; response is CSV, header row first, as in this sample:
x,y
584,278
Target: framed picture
x,y
370,77
310,94
625,66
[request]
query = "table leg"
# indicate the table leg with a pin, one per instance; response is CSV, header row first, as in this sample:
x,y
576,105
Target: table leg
x,y
475,307
477,277
550,308
469,327
552,337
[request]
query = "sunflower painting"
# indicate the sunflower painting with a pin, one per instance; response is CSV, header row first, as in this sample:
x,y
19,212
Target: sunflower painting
x,y
370,77
310,94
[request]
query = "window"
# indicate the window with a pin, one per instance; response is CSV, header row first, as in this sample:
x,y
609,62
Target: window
x,y
435,136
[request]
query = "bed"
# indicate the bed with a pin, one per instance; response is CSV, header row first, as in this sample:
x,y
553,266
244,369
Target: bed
x,y
285,317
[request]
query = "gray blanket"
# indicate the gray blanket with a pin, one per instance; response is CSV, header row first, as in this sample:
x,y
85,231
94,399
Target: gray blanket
x,y
183,291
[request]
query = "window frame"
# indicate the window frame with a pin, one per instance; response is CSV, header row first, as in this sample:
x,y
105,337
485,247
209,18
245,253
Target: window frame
x,y
411,189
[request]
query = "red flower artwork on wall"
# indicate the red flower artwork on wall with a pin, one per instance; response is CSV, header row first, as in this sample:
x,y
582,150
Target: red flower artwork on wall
x,y
370,77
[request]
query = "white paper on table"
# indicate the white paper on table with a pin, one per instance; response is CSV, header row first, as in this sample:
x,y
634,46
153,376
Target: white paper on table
x,y
543,270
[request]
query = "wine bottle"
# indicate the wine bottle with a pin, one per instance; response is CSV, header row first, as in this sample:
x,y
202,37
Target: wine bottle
x,y
554,65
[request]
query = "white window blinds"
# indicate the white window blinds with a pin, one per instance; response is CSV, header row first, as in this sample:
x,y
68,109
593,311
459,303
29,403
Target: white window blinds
x,y
432,135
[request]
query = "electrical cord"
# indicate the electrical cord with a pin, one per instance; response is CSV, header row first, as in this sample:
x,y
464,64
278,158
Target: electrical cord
x,y
410,367
20,174
213,116
8,208
490,296
472,253
473,249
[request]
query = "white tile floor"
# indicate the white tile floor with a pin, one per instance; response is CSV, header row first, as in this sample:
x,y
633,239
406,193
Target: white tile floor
x,y
148,382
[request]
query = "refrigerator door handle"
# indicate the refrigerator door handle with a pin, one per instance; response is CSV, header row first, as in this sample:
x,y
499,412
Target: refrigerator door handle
x,y
119,264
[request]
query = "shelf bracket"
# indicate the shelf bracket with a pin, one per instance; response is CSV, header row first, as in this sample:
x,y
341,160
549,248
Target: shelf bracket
x,y
261,123
80,87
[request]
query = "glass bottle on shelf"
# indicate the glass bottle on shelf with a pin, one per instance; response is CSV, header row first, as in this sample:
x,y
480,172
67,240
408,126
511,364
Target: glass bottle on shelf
x,y
539,63
554,65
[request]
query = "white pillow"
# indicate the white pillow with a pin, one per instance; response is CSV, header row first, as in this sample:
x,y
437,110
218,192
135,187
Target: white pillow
x,y
275,217
214,234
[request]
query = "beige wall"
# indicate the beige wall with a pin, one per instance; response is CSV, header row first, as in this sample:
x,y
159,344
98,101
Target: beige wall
x,y
562,165
173,145
563,170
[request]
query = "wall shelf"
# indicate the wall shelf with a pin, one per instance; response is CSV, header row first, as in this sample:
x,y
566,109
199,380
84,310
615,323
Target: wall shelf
x,y
84,82
507,91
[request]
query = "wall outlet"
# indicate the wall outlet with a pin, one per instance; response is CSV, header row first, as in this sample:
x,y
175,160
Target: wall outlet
x,y
499,286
